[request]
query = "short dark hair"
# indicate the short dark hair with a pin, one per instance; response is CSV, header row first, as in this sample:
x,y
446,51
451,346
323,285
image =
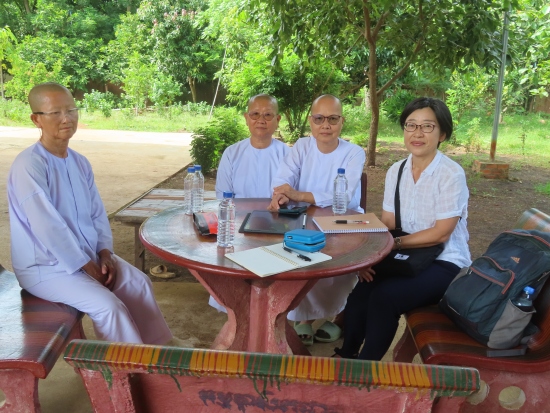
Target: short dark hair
x,y
442,113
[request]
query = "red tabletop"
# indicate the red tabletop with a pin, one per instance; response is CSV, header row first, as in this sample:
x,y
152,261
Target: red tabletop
x,y
257,307
171,235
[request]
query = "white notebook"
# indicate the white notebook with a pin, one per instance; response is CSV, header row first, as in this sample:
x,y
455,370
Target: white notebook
x,y
369,223
273,259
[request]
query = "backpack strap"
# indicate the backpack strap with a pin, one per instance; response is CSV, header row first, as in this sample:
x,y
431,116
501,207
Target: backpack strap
x,y
397,200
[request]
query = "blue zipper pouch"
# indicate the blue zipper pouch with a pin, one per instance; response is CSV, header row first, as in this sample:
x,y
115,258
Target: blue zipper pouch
x,y
305,240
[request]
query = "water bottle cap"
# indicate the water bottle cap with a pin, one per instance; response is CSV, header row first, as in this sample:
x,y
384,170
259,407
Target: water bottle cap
x,y
341,171
529,290
228,194
191,169
197,168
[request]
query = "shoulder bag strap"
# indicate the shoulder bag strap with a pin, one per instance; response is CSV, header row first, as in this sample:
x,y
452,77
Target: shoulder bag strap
x,y
397,201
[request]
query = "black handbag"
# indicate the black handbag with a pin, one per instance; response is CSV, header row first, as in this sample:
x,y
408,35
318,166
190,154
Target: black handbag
x,y
409,261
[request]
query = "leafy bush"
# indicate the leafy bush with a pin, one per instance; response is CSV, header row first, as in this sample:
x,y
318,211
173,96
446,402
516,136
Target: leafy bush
x,y
357,120
15,110
210,141
96,100
394,105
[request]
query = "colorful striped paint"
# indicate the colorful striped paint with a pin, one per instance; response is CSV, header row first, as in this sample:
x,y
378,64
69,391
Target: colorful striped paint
x,y
271,368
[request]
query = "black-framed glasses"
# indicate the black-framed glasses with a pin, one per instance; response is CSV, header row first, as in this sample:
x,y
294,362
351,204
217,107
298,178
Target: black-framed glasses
x,y
59,114
320,119
424,127
256,115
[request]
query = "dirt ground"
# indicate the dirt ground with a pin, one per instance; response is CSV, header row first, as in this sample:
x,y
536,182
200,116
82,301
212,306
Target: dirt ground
x,y
494,205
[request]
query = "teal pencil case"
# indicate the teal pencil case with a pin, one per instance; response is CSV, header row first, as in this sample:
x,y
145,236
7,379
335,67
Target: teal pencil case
x,y
305,240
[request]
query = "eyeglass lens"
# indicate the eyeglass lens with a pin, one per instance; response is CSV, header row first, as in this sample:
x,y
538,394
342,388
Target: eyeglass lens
x,y
425,127
256,115
60,114
320,119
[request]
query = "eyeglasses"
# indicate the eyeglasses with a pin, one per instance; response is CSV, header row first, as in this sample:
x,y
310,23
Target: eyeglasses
x,y
256,115
71,113
425,127
320,119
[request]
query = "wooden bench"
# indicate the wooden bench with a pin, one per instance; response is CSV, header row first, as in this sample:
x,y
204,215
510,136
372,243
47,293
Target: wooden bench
x,y
518,382
33,334
128,378
145,206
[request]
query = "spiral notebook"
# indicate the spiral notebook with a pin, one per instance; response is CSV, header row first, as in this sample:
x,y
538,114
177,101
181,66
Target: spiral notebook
x,y
273,259
370,223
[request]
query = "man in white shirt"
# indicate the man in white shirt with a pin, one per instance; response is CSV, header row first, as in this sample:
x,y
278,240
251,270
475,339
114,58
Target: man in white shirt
x,y
61,240
248,167
307,175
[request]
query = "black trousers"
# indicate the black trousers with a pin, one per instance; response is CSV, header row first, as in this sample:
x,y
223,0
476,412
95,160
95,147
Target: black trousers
x,y
373,309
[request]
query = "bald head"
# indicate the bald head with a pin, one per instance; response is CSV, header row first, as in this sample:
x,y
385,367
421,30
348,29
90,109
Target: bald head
x,y
36,95
264,97
333,100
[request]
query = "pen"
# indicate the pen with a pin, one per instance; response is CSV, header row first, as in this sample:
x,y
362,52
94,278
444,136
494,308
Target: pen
x,y
303,257
304,223
346,221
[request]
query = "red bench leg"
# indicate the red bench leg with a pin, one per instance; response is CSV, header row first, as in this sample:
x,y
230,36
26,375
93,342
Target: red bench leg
x,y
405,349
20,388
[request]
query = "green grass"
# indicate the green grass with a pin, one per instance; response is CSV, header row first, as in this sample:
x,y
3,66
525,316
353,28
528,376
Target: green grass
x,y
543,188
125,119
526,138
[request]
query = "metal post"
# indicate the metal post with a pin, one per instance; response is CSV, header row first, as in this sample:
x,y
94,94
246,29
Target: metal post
x,y
498,104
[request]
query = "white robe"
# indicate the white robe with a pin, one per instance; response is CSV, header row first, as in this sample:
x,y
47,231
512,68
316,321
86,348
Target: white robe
x,y
247,172
307,169
58,224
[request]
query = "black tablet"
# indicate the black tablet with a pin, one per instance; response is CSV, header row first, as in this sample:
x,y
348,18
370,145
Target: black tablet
x,y
266,222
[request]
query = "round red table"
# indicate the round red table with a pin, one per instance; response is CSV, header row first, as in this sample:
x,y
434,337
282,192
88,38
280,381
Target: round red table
x,y
256,307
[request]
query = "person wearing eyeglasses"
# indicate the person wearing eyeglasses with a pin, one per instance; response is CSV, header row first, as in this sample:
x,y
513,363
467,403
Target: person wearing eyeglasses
x,y
247,167
61,240
434,209
307,174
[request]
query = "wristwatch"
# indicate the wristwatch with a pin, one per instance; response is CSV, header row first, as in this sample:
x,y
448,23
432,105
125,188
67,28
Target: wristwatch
x,y
397,242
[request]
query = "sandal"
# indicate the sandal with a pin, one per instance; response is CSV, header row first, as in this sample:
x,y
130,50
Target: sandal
x,y
328,332
161,271
305,332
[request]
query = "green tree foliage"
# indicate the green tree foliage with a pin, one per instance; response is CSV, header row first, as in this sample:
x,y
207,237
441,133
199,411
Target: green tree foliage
x,y
169,34
138,77
248,70
384,37
529,49
26,75
7,40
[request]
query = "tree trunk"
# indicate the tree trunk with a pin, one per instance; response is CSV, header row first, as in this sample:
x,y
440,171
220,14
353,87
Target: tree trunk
x,y
27,7
366,99
193,88
2,80
374,106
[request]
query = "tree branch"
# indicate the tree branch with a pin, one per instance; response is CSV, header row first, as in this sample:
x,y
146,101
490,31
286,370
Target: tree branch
x,y
380,24
405,66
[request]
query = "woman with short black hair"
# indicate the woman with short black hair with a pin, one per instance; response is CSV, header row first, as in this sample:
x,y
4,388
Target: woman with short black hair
x,y
434,210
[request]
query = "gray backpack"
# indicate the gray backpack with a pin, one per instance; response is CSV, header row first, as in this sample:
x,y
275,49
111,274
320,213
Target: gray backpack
x,y
479,300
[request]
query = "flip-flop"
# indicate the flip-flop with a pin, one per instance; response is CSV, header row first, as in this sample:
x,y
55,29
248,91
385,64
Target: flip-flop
x,y
161,271
304,330
328,332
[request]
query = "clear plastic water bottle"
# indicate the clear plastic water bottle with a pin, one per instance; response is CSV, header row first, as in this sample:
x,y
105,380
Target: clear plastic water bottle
x,y
340,194
188,189
197,198
525,300
226,220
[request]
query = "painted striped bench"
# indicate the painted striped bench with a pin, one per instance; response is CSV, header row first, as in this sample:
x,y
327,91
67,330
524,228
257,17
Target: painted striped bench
x,y
33,334
129,378
517,383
